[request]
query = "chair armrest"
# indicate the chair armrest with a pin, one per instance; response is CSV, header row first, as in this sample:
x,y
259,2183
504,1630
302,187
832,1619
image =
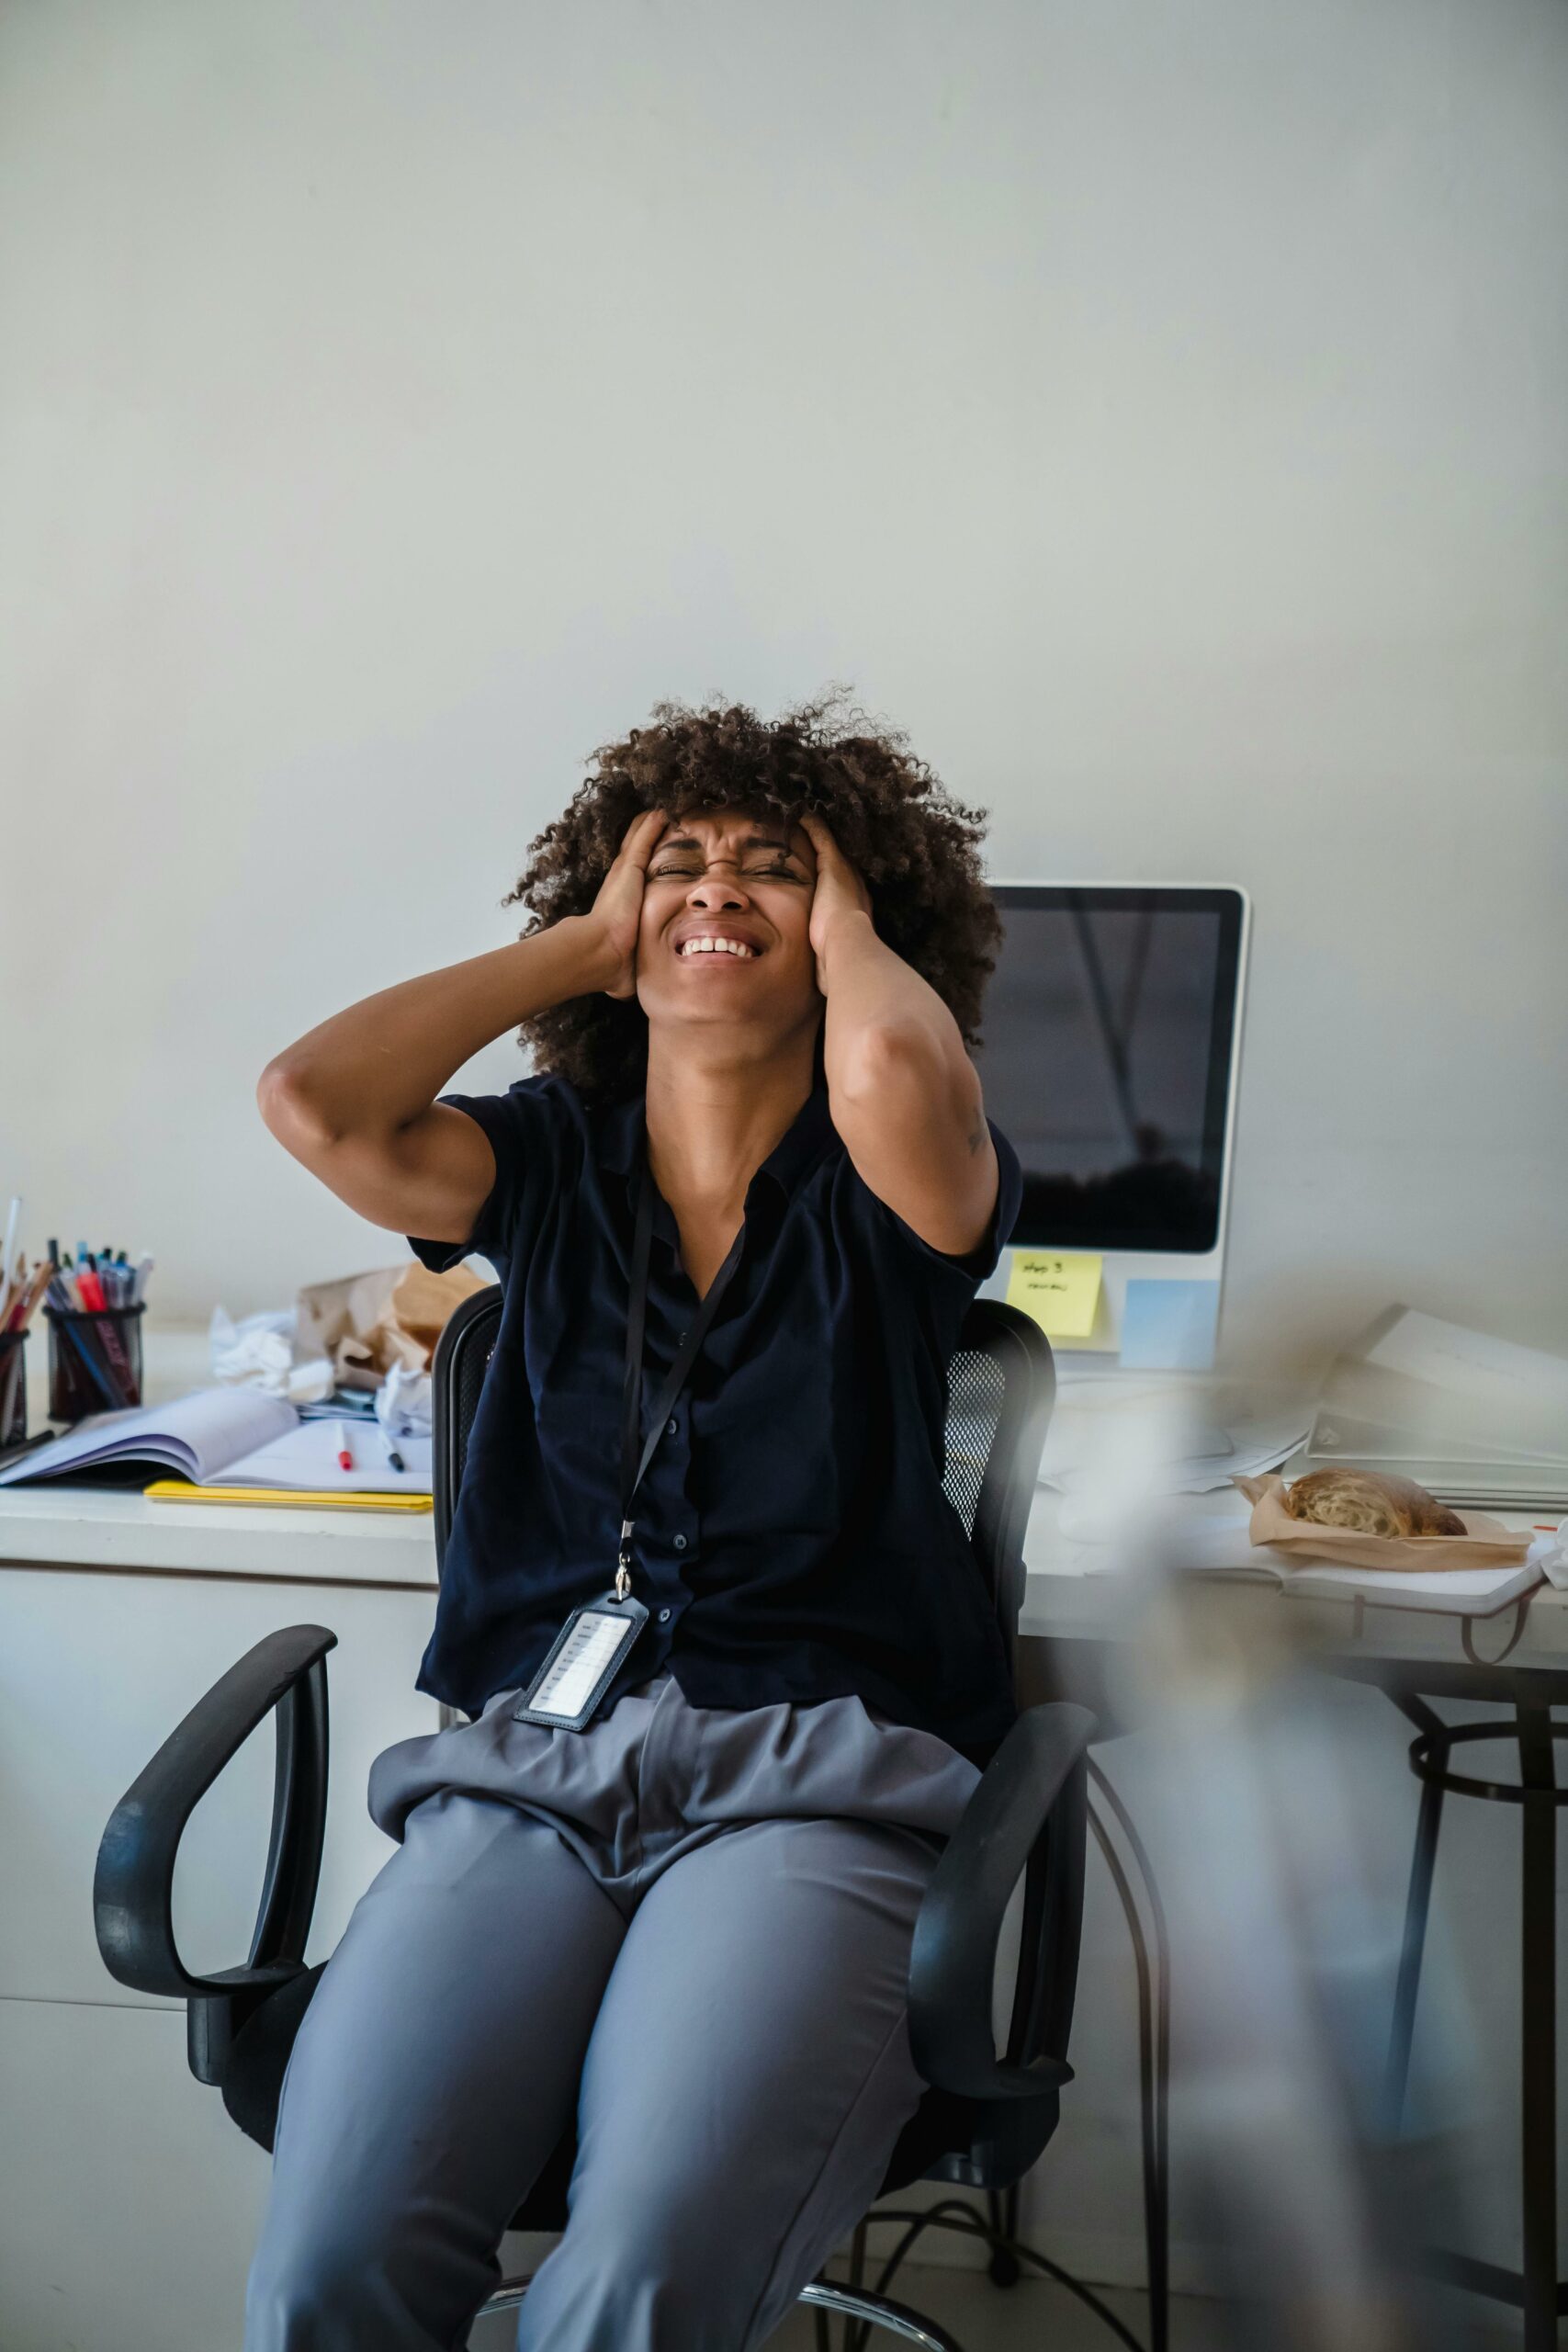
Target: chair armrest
x,y
1027,1815
133,1885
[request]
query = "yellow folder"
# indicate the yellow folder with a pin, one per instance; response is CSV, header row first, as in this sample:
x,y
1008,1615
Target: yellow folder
x,y
174,1490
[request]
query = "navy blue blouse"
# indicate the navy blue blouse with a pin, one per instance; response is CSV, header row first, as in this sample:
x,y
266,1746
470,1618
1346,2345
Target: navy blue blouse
x,y
793,1539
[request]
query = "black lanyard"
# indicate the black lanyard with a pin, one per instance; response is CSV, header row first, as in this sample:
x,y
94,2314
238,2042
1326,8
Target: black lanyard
x,y
633,1465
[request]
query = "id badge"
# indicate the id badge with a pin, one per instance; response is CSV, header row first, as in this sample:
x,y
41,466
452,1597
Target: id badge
x,y
581,1663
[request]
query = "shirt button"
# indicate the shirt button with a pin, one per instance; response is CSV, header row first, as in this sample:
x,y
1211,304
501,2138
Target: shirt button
x,y
664,1616
671,1428
679,1542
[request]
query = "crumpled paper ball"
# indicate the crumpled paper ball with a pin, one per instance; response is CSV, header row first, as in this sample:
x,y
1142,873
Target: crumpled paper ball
x,y
258,1353
402,1403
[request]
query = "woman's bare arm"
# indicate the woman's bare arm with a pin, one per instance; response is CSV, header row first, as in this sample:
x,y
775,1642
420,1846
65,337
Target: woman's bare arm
x,y
353,1100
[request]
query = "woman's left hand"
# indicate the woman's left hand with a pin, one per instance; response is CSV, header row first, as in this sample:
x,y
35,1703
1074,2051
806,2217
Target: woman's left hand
x,y
839,898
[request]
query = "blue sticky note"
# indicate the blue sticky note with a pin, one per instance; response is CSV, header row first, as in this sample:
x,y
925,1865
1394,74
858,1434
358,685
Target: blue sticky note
x,y
1170,1327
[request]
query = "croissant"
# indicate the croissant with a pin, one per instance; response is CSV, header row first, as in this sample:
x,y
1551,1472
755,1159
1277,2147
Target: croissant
x,y
1371,1503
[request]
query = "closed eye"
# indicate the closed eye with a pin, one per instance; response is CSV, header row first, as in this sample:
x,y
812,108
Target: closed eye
x,y
781,869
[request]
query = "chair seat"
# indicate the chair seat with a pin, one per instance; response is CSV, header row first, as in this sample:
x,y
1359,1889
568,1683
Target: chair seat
x,y
981,2145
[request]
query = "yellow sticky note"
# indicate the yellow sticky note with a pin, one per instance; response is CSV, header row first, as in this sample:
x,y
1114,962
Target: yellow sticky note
x,y
1061,1292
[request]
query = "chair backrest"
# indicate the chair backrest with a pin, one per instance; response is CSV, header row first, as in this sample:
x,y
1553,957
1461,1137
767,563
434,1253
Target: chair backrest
x,y
1001,1384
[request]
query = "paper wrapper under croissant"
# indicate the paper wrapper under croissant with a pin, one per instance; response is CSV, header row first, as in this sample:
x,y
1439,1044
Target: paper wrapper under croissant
x,y
367,1323
1486,1543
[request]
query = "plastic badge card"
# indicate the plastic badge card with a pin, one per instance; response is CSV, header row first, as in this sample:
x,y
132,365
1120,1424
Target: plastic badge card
x,y
581,1663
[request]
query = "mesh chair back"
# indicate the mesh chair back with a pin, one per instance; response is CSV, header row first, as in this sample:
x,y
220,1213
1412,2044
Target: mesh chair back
x,y
1001,1385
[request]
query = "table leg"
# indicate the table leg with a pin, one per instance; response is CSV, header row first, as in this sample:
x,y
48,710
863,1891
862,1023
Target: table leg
x,y
1416,1906
1537,2083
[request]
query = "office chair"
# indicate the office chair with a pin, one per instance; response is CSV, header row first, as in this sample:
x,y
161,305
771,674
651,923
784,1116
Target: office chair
x,y
984,2119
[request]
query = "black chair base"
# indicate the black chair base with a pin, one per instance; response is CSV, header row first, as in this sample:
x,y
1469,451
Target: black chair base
x,y
854,2303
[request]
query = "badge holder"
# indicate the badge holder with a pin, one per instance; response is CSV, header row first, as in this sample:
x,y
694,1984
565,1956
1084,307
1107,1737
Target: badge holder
x,y
581,1663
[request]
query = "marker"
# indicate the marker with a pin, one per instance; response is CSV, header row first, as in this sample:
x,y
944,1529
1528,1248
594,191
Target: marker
x,y
394,1458
16,1210
345,1458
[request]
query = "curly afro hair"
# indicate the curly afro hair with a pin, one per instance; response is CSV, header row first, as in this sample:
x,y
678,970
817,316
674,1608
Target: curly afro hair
x,y
916,846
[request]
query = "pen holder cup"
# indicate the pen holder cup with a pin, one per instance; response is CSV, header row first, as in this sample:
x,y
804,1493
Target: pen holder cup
x,y
94,1359
13,1388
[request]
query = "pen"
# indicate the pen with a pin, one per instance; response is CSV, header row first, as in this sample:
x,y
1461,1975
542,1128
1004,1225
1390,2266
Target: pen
x,y
16,1211
25,1445
394,1458
345,1458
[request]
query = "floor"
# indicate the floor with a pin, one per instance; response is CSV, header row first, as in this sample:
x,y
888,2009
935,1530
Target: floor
x,y
1025,2318
1034,2316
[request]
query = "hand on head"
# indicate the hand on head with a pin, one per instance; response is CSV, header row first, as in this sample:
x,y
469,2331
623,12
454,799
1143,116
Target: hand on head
x,y
617,910
840,897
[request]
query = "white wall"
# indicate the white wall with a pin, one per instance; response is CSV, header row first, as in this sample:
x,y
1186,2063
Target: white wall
x,y
1159,413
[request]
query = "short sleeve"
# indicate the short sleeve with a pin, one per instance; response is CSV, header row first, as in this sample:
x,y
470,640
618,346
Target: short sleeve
x,y
524,1135
981,1261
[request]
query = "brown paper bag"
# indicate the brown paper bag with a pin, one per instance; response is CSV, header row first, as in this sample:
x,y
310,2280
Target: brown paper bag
x,y
365,1323
1486,1543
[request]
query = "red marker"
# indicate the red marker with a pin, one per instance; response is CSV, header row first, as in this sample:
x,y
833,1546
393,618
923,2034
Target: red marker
x,y
345,1458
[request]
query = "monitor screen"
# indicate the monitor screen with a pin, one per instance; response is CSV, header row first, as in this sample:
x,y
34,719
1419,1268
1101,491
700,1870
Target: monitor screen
x,y
1106,1060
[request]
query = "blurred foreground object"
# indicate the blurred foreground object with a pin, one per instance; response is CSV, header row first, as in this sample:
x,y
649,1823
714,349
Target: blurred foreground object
x,y
1318,2200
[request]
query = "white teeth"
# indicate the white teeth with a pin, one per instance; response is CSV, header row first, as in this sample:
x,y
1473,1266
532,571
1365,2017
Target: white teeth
x,y
715,947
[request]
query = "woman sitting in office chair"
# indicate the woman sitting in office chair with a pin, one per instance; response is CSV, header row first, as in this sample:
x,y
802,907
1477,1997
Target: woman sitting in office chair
x,y
730,1669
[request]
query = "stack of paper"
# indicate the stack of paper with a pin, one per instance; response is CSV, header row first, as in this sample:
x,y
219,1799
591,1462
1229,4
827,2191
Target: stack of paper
x,y
1474,1418
1192,1454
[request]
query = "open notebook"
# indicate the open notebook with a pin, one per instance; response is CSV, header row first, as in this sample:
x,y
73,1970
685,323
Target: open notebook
x,y
227,1437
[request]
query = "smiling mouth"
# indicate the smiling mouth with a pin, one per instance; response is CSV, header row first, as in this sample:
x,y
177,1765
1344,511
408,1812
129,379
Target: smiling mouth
x,y
715,946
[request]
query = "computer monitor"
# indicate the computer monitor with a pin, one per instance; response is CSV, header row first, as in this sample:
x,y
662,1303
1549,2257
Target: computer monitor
x,y
1112,1039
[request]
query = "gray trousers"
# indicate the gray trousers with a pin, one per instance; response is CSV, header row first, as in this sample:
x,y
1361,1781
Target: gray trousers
x,y
689,1926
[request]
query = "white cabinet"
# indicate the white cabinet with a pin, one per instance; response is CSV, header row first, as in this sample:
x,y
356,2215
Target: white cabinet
x,y
128,2201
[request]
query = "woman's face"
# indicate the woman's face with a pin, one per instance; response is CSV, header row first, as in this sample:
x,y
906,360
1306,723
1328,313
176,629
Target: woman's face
x,y
726,911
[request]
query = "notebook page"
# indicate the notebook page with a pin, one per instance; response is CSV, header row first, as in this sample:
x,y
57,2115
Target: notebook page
x,y
197,1434
306,1456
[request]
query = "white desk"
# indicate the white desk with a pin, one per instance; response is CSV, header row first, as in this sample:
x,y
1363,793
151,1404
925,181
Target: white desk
x,y
1072,1594
132,2201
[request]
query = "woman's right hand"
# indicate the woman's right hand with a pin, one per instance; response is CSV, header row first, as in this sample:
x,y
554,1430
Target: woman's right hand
x,y
616,913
